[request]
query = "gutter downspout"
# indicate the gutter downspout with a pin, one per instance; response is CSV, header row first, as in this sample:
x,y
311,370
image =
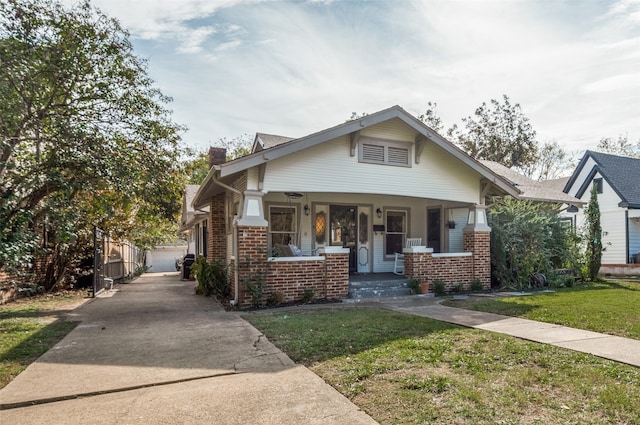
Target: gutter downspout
x,y
234,237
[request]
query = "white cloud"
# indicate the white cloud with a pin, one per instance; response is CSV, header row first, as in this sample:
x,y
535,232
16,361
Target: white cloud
x,y
293,68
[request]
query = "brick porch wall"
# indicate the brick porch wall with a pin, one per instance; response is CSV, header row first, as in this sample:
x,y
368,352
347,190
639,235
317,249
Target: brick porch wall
x,y
453,269
292,278
328,277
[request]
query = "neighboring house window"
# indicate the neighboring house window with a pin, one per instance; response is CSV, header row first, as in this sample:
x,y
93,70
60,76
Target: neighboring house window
x,y
396,231
387,152
282,225
598,184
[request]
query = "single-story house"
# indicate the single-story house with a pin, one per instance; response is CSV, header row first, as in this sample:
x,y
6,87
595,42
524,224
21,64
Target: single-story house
x,y
616,180
346,199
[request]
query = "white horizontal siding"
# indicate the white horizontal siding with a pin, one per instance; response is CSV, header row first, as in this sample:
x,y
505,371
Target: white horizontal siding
x,y
456,236
329,167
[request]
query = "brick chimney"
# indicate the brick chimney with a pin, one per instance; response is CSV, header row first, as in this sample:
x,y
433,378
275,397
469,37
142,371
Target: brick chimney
x,y
217,156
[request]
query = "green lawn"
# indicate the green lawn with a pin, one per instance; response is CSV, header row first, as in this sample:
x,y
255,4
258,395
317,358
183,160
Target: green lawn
x,y
29,327
608,306
404,369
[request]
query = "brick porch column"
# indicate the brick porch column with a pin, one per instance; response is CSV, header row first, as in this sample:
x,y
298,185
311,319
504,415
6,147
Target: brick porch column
x,y
477,240
251,262
336,271
217,231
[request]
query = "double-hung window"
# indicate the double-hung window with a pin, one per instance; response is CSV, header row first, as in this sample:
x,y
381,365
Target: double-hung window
x,y
282,225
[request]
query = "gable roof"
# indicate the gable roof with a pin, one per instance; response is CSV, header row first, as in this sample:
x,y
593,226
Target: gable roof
x,y
259,157
621,172
532,189
266,141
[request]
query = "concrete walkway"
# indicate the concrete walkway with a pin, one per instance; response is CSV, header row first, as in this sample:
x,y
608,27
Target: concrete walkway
x,y
152,352
624,350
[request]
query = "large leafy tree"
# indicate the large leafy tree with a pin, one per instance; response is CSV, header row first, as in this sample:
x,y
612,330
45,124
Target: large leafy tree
x,y
498,132
85,137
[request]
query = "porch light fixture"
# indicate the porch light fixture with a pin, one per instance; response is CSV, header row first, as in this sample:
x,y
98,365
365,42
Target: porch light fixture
x,y
307,210
379,213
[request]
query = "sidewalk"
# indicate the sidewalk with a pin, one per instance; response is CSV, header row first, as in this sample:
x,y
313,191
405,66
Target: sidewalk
x,y
152,352
624,350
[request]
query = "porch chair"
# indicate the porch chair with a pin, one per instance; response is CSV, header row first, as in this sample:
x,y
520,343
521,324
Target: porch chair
x,y
398,265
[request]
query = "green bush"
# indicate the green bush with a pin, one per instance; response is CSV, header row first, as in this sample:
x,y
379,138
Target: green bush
x,y
414,285
439,288
275,298
212,279
476,285
307,295
528,237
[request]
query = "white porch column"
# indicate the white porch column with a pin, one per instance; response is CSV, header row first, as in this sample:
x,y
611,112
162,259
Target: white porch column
x,y
253,210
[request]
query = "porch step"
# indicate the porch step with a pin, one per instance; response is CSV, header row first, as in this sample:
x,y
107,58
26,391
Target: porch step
x,y
379,288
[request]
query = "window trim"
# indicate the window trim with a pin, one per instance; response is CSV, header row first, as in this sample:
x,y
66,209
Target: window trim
x,y
386,210
295,235
386,144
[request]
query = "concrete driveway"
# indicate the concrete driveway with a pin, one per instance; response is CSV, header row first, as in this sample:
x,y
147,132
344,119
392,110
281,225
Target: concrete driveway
x,y
152,352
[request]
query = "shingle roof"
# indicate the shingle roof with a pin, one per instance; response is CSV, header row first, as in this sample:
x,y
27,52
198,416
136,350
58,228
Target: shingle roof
x,y
622,173
271,140
531,189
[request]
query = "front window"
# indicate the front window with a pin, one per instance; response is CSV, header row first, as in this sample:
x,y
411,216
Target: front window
x,y
396,231
282,226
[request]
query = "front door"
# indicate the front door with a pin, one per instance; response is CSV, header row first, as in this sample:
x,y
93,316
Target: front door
x,y
344,231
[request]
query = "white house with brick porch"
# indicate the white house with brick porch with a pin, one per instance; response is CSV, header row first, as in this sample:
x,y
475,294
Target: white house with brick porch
x,y
348,197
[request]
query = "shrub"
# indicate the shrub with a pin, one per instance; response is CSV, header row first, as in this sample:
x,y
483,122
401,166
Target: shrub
x,y
457,287
527,237
439,288
476,285
212,278
275,298
307,295
414,285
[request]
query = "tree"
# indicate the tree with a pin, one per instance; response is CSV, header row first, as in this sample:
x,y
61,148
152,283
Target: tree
x,y
500,132
621,147
85,137
553,162
431,118
593,251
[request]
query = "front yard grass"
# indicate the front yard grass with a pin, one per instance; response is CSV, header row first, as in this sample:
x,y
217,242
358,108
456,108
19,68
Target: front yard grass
x,y
607,306
404,369
29,327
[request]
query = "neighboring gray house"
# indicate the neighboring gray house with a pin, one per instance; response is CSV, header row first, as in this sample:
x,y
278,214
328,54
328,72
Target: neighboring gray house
x,y
616,179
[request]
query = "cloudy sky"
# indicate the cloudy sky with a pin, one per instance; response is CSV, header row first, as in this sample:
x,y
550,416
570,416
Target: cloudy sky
x,y
295,67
